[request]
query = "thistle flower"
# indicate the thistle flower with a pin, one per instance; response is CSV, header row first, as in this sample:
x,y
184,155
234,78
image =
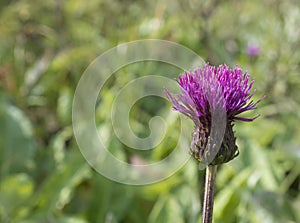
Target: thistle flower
x,y
253,50
209,89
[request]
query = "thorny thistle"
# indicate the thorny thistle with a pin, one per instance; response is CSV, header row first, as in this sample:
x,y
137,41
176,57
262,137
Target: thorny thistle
x,y
205,91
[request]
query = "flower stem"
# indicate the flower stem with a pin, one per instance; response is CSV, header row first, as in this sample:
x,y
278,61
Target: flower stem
x,y
208,202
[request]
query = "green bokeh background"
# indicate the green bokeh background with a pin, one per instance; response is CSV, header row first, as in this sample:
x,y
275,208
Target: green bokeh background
x,y
45,46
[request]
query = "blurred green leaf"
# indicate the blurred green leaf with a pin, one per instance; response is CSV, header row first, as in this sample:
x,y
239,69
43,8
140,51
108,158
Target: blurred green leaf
x,y
57,190
167,209
64,105
272,207
109,201
228,199
14,192
16,143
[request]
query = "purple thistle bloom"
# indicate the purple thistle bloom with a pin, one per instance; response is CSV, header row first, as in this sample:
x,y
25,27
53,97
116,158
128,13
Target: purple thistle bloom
x,y
210,89
253,50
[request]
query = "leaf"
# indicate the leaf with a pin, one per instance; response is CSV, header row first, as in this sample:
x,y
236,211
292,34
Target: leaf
x,y
110,200
14,191
64,105
228,199
61,219
272,207
263,164
167,209
16,141
57,191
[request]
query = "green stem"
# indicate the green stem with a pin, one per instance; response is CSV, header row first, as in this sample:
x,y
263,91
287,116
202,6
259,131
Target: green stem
x,y
208,202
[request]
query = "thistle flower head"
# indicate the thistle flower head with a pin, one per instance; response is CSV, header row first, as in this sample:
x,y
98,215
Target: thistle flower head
x,y
205,90
253,50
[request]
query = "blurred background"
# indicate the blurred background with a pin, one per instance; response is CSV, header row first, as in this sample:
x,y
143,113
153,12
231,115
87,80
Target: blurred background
x,y
45,46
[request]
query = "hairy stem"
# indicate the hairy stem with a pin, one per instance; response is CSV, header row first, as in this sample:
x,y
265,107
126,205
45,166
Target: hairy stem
x,y
208,202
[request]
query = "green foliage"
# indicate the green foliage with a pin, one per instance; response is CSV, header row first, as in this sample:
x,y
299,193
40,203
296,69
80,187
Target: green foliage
x,y
45,46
